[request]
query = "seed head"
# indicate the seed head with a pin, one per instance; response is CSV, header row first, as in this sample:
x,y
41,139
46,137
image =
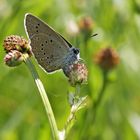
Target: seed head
x,y
86,24
77,73
14,42
107,58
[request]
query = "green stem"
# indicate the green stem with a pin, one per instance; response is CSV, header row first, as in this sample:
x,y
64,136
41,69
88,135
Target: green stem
x,y
71,119
44,97
101,94
69,124
90,118
77,89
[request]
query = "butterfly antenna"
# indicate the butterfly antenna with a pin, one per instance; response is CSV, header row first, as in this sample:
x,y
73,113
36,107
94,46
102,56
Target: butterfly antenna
x,y
94,35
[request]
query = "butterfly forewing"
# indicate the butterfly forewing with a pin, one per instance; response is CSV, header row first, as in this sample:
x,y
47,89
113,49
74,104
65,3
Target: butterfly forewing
x,y
49,59
48,46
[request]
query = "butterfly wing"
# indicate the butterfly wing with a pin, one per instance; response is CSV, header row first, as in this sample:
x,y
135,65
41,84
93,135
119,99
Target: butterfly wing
x,y
48,46
49,59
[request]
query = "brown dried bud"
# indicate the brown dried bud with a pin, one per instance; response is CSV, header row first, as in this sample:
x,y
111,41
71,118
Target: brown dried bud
x,y
77,73
86,24
107,58
14,42
13,58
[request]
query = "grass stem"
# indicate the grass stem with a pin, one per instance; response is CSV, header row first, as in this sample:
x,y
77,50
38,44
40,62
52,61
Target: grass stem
x,y
44,97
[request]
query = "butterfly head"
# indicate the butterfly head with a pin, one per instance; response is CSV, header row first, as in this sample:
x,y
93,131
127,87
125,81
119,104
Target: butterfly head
x,y
75,50
72,56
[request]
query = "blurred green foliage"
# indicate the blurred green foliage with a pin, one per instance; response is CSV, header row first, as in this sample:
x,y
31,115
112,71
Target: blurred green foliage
x,y
117,22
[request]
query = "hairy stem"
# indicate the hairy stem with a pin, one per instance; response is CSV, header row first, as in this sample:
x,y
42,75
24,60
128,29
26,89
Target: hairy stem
x,y
78,103
44,97
71,119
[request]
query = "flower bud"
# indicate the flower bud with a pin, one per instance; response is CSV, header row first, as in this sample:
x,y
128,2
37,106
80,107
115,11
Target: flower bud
x,y
107,58
86,25
14,42
77,73
13,58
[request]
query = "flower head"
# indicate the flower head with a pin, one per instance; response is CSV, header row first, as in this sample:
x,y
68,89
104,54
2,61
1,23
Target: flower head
x,y
13,58
14,42
107,58
77,73
15,46
86,24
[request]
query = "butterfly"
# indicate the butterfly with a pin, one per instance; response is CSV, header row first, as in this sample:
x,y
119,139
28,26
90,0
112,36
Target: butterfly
x,y
51,50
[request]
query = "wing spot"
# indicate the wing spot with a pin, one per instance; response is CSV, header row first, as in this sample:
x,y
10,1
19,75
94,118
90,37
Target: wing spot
x,y
37,31
44,53
51,40
46,42
42,44
42,49
47,57
38,24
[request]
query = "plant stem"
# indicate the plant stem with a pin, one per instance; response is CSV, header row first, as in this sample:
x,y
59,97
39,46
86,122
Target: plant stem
x,y
44,97
69,124
90,118
77,90
77,103
101,94
71,119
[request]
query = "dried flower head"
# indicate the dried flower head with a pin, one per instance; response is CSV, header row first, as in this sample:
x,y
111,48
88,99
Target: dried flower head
x,y
13,58
77,73
15,46
14,42
107,58
86,24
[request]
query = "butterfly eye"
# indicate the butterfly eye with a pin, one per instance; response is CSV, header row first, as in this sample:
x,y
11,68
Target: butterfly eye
x,y
75,50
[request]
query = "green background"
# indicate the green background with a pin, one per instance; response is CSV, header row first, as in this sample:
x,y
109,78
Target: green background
x,y
117,22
